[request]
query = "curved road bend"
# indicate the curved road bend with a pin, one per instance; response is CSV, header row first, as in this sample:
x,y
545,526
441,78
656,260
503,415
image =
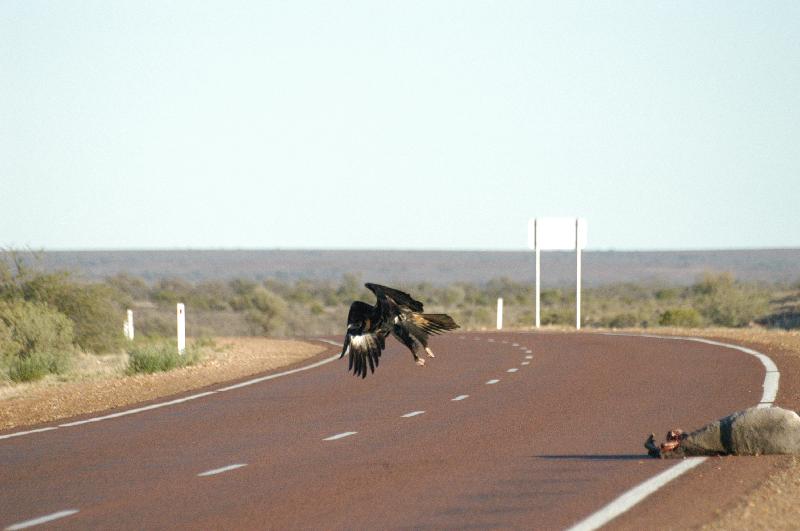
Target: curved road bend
x,y
499,430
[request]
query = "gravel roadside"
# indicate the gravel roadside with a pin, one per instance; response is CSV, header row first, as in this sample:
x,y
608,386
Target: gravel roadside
x,y
99,383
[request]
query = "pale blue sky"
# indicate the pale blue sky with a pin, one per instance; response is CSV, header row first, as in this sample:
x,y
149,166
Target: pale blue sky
x,y
426,125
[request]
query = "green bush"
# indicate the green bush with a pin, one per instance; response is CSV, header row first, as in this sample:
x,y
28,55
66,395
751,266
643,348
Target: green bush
x,y
92,308
35,340
36,366
624,320
159,356
683,317
33,327
267,311
725,302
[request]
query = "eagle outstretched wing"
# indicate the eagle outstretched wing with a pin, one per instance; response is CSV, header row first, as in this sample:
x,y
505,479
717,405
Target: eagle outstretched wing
x,y
364,341
423,325
396,313
400,298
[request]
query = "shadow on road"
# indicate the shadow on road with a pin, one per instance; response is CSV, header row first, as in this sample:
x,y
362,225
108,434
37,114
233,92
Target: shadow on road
x,y
597,457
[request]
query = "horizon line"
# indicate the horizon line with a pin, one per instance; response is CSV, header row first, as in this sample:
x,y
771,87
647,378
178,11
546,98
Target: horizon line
x,y
385,249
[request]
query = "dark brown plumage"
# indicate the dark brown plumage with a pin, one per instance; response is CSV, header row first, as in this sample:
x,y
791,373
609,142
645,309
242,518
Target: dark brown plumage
x,y
395,313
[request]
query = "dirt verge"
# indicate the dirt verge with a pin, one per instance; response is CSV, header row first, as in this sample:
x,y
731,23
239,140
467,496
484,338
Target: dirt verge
x,y
98,383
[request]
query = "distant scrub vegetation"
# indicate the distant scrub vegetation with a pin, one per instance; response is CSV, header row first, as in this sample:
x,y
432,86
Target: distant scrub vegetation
x,y
284,308
46,317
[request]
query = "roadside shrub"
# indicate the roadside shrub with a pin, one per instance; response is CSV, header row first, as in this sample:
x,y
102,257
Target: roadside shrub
x,y
725,302
33,327
36,366
134,288
35,340
558,316
155,323
665,294
624,320
159,356
267,311
683,317
91,307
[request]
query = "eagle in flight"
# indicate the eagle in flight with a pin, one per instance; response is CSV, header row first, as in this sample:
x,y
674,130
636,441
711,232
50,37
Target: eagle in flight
x,y
395,313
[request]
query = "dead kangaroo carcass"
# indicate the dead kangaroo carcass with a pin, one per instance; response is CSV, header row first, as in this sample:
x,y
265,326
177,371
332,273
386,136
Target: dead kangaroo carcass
x,y
754,431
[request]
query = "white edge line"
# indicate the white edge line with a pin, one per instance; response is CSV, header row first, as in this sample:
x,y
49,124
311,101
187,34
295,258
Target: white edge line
x,y
179,400
41,520
340,435
635,495
642,491
17,434
278,375
137,410
221,470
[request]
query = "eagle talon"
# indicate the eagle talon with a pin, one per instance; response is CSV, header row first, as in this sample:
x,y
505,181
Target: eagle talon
x,y
421,362
430,352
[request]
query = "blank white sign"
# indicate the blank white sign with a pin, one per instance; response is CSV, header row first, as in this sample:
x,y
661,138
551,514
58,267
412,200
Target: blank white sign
x,y
556,234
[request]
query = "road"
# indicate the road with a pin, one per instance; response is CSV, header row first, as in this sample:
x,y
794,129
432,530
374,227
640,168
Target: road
x,y
520,430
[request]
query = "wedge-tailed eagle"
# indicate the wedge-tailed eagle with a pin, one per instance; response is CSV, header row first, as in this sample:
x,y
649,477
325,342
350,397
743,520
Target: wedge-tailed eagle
x,y
395,313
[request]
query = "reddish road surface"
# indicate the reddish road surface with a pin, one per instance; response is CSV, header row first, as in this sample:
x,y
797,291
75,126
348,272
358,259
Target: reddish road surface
x,y
499,430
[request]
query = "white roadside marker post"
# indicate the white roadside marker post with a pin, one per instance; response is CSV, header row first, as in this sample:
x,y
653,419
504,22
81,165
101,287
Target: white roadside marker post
x,y
127,327
500,313
181,328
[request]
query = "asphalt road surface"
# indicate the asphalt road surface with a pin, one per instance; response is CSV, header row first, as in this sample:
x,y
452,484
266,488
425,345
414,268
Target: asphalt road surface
x,y
512,430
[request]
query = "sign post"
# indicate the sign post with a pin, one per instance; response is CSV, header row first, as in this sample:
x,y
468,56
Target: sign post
x,y
538,269
558,234
181,328
577,274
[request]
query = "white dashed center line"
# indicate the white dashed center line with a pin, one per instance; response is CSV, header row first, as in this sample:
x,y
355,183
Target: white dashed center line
x,y
512,370
514,344
528,357
221,470
525,363
492,382
459,397
41,520
340,436
412,414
